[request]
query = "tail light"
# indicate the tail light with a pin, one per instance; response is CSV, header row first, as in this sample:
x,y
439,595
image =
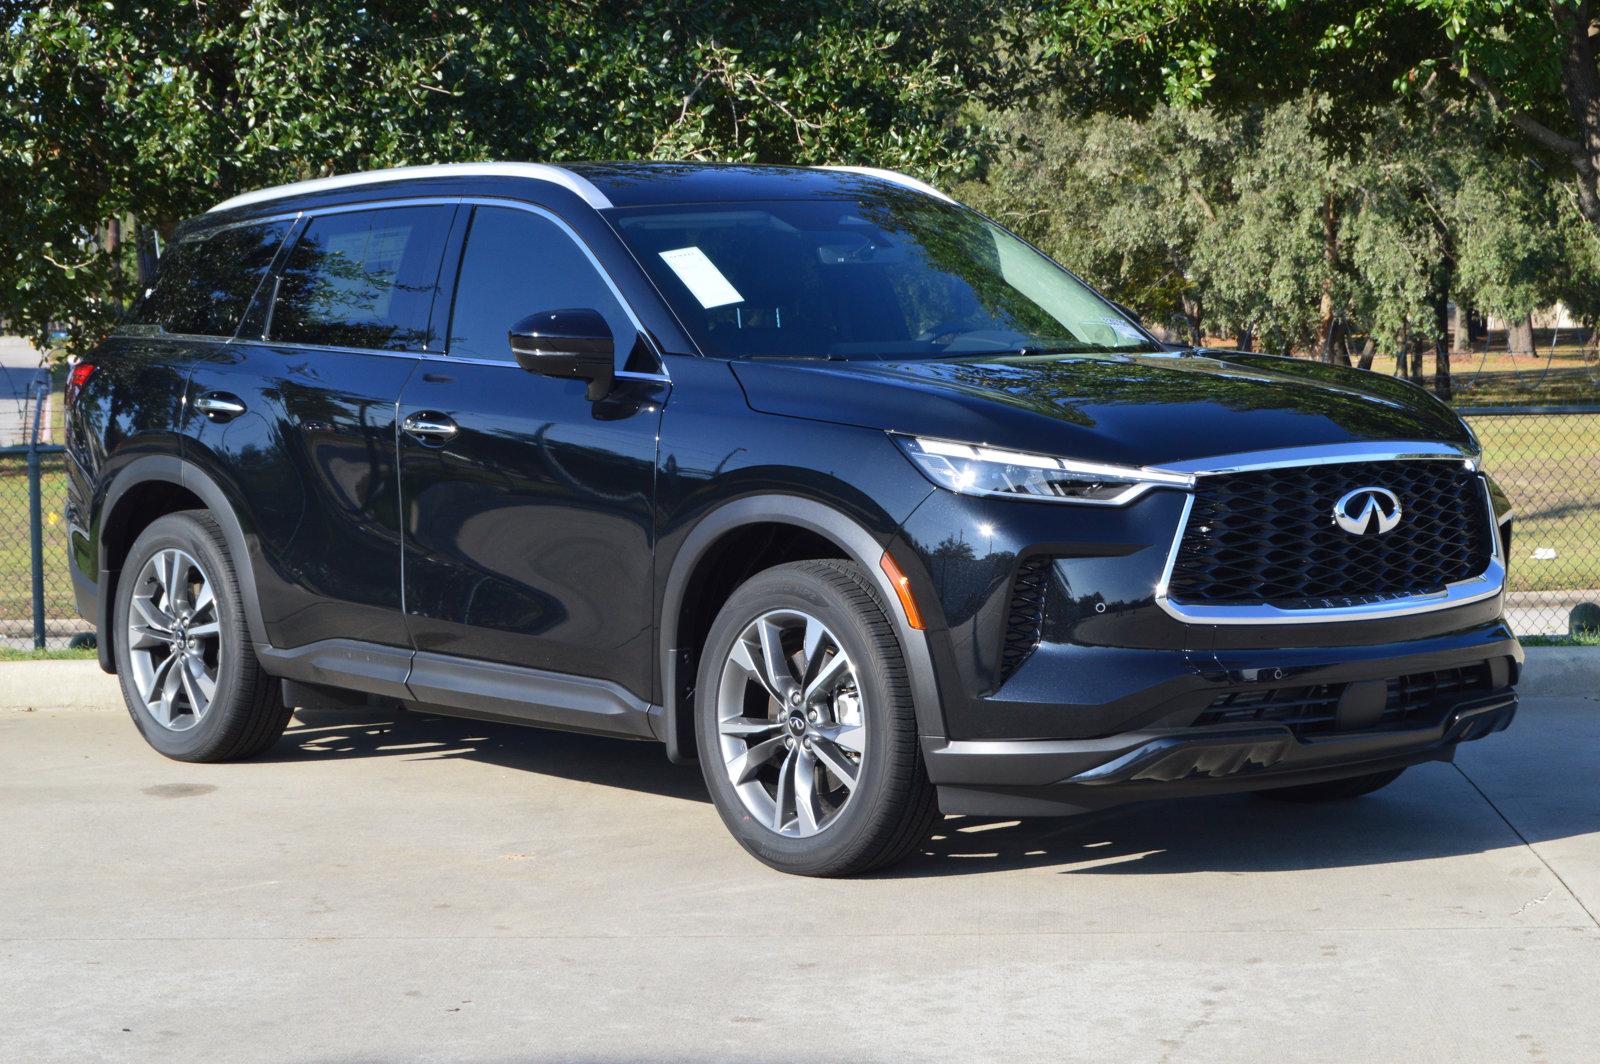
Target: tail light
x,y
76,379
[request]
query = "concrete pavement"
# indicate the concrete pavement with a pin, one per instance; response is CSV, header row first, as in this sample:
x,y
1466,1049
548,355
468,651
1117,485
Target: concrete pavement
x,y
386,888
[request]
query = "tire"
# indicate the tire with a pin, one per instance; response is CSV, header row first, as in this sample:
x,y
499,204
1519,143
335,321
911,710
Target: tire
x,y
201,638
1333,790
863,724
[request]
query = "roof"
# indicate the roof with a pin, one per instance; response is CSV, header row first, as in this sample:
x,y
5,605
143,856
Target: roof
x,y
625,184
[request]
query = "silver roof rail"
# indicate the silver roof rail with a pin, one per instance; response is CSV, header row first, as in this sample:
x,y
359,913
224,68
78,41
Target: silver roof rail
x,y
533,171
894,177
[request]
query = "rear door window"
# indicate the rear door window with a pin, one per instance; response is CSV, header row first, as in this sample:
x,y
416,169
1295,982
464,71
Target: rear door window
x,y
518,263
205,282
362,279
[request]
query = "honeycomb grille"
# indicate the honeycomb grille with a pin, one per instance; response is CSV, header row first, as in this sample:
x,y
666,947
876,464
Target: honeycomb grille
x,y
1268,536
1025,616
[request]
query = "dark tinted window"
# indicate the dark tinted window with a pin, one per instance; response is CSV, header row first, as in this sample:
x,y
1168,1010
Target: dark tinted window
x,y
362,279
516,264
204,283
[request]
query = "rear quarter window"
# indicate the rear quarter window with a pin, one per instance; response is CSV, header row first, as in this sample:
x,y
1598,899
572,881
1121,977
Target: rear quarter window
x,y
205,281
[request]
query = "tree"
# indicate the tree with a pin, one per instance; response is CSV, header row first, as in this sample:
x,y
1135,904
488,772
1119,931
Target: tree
x,y
1536,63
118,119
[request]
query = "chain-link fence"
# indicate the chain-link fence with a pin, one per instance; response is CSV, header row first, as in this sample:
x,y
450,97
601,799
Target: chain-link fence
x,y
1548,461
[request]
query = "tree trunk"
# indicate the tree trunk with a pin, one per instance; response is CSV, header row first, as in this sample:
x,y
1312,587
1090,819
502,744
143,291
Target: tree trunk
x,y
1519,337
1245,341
1442,386
1461,337
1194,313
1369,351
1580,82
1330,325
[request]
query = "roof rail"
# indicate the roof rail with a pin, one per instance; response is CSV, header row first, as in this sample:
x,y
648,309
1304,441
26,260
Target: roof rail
x,y
533,171
894,177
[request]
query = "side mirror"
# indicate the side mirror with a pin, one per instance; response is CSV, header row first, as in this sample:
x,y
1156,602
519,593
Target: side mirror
x,y
574,343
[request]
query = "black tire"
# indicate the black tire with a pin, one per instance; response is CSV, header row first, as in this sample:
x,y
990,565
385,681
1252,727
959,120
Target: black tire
x,y
1333,790
891,808
245,715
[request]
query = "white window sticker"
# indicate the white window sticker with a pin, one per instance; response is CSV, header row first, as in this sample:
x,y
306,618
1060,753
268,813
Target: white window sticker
x,y
702,277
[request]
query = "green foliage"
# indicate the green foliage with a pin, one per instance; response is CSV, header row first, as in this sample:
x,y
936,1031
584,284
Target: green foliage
x,y
119,118
1536,62
1253,222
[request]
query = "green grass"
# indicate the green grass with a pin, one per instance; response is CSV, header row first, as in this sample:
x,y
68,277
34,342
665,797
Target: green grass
x,y
1587,639
8,654
1550,467
16,582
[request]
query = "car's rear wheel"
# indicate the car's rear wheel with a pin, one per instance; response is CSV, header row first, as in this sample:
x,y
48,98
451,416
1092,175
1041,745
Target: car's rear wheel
x,y
1333,790
807,735
188,671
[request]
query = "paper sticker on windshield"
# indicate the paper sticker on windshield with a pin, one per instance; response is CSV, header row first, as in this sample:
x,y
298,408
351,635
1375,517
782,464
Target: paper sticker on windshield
x,y
702,277
1122,328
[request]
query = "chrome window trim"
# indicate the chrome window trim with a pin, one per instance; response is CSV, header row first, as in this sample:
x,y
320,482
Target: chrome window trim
x,y
1486,585
555,175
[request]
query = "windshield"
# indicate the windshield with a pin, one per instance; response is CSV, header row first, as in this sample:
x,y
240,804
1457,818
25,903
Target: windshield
x,y
892,276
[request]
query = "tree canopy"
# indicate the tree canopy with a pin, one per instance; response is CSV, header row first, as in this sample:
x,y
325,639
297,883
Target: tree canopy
x,y
118,118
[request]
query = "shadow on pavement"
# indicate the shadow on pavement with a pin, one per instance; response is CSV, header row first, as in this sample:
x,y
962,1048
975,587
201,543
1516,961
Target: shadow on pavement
x,y
328,735
1432,811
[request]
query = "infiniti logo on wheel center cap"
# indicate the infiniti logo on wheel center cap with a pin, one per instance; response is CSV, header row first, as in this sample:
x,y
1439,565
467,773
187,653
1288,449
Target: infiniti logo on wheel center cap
x,y
797,723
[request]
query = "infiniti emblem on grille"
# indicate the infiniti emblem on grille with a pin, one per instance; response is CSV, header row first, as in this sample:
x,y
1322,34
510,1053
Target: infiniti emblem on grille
x,y
1367,511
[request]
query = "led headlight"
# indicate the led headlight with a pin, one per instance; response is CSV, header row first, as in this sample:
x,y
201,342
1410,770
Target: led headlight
x,y
972,469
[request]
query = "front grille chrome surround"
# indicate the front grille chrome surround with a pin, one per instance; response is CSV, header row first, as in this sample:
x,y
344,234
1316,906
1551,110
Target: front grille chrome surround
x,y
1365,606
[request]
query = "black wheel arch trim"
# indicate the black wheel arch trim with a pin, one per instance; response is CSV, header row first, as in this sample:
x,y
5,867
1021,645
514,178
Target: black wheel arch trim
x,y
676,721
171,469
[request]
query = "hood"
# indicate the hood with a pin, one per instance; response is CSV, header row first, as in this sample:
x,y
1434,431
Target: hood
x,y
1143,410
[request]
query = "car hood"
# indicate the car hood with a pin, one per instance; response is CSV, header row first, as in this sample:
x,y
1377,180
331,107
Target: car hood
x,y
1146,410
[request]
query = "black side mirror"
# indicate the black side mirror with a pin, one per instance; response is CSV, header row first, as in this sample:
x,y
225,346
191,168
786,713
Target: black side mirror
x,y
574,343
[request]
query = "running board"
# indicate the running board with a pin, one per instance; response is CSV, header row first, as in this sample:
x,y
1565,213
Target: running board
x,y
468,687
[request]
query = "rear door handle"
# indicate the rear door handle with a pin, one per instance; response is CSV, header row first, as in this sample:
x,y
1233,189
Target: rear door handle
x,y
219,406
429,427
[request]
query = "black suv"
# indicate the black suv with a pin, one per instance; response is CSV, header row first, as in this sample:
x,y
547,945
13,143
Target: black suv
x,y
813,475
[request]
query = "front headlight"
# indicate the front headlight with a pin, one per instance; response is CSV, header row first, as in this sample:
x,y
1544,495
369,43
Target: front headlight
x,y
972,469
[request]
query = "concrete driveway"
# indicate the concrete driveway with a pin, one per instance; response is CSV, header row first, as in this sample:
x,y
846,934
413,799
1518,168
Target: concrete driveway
x,y
382,889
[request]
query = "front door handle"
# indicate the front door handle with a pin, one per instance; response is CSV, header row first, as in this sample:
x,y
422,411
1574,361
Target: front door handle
x,y
429,427
219,406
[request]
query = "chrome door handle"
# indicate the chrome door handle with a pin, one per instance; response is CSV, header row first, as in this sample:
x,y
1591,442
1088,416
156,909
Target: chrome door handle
x,y
429,427
219,405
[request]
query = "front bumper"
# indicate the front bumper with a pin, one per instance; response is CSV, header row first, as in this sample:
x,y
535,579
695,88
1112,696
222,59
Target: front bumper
x,y
1055,777
1252,720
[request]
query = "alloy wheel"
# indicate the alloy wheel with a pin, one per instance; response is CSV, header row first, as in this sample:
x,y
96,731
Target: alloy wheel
x,y
790,723
174,639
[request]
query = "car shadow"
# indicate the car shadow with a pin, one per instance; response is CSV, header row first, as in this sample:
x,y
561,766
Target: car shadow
x,y
1433,811
330,735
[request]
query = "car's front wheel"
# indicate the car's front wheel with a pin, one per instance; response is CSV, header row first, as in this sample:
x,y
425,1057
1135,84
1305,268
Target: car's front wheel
x,y
807,735
188,670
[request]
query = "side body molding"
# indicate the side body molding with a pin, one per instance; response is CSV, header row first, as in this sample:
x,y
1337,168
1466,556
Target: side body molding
x,y
677,716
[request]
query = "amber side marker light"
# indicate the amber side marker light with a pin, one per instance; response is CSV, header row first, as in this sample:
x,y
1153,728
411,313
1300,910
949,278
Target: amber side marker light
x,y
902,588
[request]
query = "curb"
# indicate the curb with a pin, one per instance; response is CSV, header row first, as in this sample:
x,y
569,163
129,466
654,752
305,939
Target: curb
x,y
28,685
1549,671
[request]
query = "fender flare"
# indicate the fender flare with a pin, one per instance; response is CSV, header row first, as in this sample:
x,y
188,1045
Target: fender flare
x,y
170,469
859,545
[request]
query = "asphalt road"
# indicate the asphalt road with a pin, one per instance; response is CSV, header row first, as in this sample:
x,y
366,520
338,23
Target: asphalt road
x,y
425,889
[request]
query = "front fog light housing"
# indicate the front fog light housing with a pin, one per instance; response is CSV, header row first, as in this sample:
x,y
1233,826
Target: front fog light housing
x,y
972,469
